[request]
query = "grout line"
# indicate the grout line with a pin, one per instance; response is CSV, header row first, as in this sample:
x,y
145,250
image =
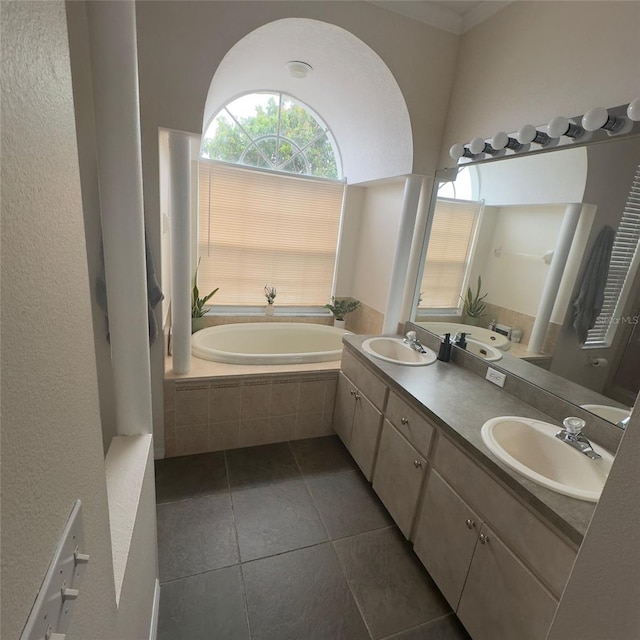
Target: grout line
x,y
199,573
421,624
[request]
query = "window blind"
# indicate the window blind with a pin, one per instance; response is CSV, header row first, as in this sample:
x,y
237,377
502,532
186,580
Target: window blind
x,y
448,253
257,228
621,268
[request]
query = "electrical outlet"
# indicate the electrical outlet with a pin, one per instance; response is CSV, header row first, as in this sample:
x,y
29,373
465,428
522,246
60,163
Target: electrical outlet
x,y
496,377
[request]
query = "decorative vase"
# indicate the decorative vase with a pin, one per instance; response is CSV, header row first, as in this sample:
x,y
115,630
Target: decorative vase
x,y
473,320
197,324
338,323
269,310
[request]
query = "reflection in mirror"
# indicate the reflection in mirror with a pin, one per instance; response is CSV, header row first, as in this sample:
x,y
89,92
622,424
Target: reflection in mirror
x,y
531,228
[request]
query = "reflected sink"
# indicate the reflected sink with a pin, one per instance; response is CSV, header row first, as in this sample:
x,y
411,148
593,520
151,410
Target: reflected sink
x,y
482,350
612,414
396,351
531,448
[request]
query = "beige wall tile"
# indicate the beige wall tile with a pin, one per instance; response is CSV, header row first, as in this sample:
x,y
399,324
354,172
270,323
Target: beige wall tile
x,y
192,440
284,398
170,448
282,428
311,425
311,396
169,394
255,401
224,435
330,387
192,407
224,404
253,432
169,425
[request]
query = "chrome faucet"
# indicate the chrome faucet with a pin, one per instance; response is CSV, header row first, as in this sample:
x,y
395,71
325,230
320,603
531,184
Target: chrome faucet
x,y
411,339
572,435
459,336
624,423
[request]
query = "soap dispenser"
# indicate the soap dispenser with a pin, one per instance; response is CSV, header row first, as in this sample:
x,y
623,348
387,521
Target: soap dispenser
x,y
444,353
462,341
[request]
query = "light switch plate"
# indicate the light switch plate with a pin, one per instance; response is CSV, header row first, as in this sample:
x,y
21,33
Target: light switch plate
x,y
51,612
496,377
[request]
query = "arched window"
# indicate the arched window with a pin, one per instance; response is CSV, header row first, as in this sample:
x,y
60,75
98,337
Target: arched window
x,y
272,131
270,199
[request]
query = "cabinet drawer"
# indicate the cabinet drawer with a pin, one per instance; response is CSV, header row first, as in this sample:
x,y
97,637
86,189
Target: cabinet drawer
x,y
542,549
410,423
398,477
368,383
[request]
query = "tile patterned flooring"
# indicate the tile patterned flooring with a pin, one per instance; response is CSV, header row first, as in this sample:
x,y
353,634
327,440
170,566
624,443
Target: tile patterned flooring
x,y
286,542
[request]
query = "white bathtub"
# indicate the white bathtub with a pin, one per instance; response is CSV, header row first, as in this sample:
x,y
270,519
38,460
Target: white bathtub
x,y
268,343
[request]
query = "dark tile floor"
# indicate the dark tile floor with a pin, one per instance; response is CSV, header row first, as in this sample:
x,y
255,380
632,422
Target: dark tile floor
x,y
286,542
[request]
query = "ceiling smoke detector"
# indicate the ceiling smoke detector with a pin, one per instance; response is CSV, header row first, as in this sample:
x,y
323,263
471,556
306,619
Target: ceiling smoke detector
x,y
298,69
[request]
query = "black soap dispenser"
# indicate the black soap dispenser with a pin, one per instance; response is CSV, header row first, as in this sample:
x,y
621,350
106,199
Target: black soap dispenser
x,y
462,342
444,353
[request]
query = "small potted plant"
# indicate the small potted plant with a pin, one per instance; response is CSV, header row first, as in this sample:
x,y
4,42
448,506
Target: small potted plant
x,y
474,308
340,308
270,295
197,304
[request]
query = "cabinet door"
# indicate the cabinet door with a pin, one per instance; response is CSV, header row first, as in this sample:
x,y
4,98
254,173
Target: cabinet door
x,y
343,410
365,433
398,476
446,536
502,600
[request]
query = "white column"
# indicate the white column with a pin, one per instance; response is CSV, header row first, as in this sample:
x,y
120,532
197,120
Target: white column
x,y
556,271
398,277
181,275
114,65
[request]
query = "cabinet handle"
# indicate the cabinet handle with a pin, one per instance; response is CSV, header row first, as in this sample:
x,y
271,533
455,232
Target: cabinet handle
x,y
404,420
470,523
352,392
417,464
484,539
356,395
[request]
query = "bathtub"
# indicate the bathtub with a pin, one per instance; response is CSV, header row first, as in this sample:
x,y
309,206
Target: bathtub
x,y
268,343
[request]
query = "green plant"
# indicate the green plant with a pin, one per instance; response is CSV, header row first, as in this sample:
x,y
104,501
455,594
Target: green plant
x,y
473,305
340,308
197,303
270,294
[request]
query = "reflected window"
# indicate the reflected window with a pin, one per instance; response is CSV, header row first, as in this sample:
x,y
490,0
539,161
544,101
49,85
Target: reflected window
x,y
465,186
449,254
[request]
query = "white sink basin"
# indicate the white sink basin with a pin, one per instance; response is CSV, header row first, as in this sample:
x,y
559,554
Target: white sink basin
x,y
396,351
612,414
479,334
482,350
531,448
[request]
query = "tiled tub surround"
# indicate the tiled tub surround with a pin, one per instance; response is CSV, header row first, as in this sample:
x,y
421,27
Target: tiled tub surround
x,y
231,411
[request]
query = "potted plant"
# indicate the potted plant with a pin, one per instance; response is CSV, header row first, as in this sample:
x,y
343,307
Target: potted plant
x,y
474,308
270,295
340,308
197,303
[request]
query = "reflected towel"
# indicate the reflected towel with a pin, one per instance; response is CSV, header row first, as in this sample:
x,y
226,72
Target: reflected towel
x,y
588,303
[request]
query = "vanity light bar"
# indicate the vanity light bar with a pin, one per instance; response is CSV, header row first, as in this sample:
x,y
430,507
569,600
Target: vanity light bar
x,y
560,131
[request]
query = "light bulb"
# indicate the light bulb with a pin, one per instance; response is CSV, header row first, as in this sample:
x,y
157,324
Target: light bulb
x,y
477,145
502,141
457,151
298,69
595,119
561,126
529,133
633,110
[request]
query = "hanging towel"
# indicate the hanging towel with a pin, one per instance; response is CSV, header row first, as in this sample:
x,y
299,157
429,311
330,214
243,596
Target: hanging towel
x,y
588,302
154,293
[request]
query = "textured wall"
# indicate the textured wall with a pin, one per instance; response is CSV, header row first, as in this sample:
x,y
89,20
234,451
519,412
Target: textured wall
x,y
51,438
52,449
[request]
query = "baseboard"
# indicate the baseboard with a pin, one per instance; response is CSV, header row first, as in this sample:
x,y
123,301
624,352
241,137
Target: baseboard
x,y
153,631
158,453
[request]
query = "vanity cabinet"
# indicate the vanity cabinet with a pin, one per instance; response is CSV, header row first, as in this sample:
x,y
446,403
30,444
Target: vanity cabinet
x,y
399,474
500,568
357,416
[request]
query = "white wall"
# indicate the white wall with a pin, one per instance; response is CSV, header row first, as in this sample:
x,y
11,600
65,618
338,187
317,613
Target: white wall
x,y
52,451
377,238
535,60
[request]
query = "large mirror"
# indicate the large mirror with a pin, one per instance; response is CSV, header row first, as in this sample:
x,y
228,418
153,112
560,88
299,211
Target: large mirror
x,y
529,229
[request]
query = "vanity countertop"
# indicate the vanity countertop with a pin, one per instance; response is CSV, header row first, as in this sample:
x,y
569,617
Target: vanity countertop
x,y
460,402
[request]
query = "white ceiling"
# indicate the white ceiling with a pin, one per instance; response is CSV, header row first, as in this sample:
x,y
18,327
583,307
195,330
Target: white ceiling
x,y
456,16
